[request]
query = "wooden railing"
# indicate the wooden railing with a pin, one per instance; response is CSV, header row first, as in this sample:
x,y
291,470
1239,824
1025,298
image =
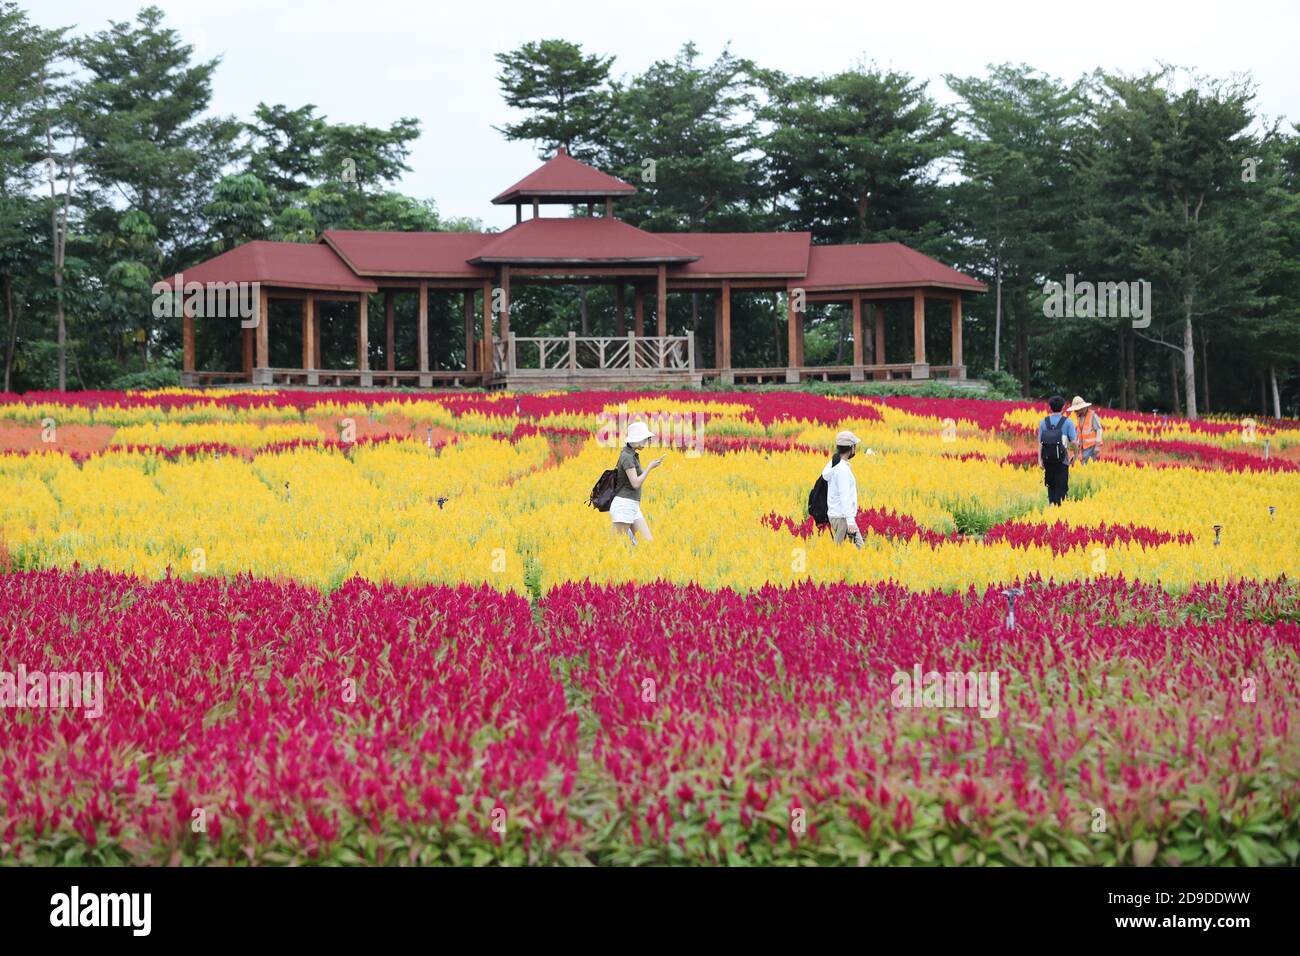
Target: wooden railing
x,y
573,355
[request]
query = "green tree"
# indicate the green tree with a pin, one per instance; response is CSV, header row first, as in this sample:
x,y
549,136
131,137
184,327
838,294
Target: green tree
x,y
1018,128
854,157
563,93
28,62
680,132
1167,190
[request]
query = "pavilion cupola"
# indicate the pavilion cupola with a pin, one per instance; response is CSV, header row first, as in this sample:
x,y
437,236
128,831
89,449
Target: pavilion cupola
x,y
563,180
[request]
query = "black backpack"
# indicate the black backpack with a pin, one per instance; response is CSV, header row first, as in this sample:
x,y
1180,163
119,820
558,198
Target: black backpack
x,y
602,493
818,509
1054,441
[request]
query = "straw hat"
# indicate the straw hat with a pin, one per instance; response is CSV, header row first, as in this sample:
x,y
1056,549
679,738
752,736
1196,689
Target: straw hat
x,y
637,432
1078,404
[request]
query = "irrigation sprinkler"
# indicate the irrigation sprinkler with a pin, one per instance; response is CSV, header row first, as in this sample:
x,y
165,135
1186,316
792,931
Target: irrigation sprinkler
x,y
1271,510
1011,594
1217,529
287,496
428,436
1266,449
442,500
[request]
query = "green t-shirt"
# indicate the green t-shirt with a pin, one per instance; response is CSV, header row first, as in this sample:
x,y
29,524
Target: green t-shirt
x,y
627,458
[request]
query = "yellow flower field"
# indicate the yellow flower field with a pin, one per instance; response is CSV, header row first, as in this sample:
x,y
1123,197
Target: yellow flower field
x,y
514,510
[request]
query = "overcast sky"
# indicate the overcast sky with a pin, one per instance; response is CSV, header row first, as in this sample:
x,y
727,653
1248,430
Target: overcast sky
x,y
373,61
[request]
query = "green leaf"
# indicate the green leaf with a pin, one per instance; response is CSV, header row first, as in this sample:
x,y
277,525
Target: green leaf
x,y
1247,850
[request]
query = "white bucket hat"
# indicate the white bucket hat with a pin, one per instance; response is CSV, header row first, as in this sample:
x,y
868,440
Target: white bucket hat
x,y
847,438
638,431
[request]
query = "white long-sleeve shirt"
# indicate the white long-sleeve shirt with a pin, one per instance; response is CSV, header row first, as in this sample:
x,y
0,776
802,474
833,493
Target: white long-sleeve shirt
x,y
841,491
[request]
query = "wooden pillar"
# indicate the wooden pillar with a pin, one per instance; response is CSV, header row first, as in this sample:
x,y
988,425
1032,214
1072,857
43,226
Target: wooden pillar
x,y
468,298
880,334
718,331
661,302
422,326
609,208
620,311
800,327
505,305
519,213
638,311
316,336
246,348
487,361
534,208
363,333
859,347
263,330
956,335
308,333
918,327
390,333
187,338
879,357
726,329
792,319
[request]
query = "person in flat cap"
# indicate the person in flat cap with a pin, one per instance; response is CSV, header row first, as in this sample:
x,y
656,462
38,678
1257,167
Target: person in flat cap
x,y
842,490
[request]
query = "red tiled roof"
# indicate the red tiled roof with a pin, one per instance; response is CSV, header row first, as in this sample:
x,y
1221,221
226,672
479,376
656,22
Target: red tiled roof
x,y
745,253
293,265
424,254
581,239
564,179
880,264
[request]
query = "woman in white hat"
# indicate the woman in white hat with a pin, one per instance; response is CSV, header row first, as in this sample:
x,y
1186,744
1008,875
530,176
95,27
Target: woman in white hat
x,y
625,509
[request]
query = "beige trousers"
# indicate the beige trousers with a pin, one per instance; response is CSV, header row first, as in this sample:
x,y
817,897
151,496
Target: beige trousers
x,y
840,530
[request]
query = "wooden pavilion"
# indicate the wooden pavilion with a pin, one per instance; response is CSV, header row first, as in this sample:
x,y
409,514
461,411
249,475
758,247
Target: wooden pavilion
x,y
596,249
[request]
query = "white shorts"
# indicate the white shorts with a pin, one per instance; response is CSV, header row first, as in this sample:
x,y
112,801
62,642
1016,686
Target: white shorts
x,y
624,511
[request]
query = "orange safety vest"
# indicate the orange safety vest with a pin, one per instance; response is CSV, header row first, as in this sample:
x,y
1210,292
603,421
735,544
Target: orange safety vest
x,y
1087,432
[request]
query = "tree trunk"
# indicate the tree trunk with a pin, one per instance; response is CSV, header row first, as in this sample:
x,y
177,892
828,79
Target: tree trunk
x,y
1022,341
582,309
58,295
1205,371
1123,369
1277,397
1132,370
63,330
1189,360
11,331
997,317
1173,382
